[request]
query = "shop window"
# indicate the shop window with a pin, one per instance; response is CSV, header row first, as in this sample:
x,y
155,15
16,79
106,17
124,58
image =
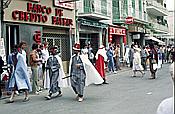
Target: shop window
x,y
62,41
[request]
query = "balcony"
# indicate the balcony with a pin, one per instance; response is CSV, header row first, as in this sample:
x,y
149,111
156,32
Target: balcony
x,y
155,8
158,28
95,12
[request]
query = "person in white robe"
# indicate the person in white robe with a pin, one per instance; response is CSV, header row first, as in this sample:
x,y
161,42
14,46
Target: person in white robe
x,y
137,62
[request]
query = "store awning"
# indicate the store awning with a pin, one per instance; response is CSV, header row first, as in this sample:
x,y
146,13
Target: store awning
x,y
155,39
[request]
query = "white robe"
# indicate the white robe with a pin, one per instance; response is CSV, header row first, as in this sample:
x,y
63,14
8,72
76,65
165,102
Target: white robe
x,y
137,61
62,82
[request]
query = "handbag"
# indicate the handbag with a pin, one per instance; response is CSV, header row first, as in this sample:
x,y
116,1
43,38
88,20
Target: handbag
x,y
91,56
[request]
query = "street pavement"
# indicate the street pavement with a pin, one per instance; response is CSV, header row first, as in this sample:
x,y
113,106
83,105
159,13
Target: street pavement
x,y
123,95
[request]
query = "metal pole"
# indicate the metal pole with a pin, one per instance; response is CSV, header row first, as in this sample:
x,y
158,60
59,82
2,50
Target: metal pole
x,y
1,15
76,22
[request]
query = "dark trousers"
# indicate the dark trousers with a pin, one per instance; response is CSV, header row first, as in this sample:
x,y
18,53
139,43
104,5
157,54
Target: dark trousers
x,y
153,72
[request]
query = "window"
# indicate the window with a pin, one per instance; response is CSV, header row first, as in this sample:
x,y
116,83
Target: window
x,y
140,9
115,9
133,8
87,6
124,8
104,7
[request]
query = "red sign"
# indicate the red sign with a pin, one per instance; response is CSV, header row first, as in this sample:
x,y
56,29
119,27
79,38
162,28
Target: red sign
x,y
117,31
37,37
40,14
129,20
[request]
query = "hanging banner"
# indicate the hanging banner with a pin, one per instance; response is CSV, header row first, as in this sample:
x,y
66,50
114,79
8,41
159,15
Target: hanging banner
x,y
2,49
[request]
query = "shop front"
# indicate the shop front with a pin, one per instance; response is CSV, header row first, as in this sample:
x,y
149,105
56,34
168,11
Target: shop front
x,y
137,34
92,32
136,30
35,22
117,35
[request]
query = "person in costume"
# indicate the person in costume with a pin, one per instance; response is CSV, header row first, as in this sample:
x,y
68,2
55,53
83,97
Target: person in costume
x,y
54,74
19,79
137,62
82,73
101,57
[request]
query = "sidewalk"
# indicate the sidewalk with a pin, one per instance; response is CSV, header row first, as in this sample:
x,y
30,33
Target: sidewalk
x,y
108,74
123,69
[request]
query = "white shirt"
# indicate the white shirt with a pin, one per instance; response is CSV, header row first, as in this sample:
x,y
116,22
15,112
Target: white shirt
x,y
24,54
45,54
166,106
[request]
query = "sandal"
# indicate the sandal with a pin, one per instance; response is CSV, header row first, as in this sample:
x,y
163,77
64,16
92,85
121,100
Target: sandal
x,y
26,99
10,101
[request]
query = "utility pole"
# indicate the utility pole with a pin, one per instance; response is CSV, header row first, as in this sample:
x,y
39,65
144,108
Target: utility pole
x,y
1,15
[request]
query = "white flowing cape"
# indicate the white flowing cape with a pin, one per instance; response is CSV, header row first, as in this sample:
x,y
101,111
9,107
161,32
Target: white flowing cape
x,y
92,76
61,82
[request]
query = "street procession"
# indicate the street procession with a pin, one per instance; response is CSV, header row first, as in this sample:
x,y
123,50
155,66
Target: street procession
x,y
87,56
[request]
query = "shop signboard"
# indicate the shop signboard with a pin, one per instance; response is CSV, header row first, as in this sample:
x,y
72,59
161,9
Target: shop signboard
x,y
41,13
64,4
117,31
93,23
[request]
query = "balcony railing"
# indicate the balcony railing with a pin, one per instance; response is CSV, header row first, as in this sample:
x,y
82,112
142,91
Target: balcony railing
x,y
160,28
157,6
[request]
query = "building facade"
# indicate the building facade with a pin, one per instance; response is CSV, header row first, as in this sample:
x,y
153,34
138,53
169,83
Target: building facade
x,y
157,13
38,21
132,15
90,28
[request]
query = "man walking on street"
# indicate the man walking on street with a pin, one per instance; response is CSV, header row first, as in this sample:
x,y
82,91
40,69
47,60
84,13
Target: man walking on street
x,y
82,73
54,74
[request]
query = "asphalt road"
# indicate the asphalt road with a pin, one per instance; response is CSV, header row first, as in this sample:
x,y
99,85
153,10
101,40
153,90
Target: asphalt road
x,y
123,95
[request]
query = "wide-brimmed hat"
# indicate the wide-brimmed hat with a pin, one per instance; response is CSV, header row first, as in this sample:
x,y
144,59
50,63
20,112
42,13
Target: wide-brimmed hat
x,y
76,47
